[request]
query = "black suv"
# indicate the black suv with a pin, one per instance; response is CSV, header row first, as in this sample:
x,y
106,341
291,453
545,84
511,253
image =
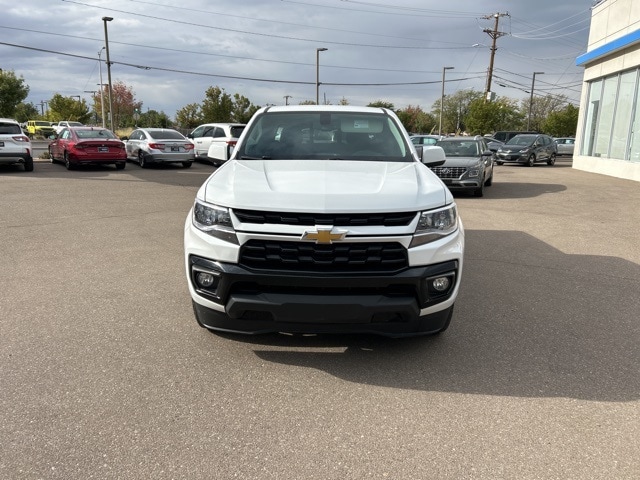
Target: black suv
x,y
469,164
528,150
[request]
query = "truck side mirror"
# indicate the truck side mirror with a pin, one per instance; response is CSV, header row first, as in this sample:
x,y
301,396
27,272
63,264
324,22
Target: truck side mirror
x,y
432,155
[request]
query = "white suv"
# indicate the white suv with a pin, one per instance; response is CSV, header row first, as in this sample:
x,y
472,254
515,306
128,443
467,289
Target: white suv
x,y
214,142
15,146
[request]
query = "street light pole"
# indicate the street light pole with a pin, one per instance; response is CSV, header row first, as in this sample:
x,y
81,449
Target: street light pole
x,y
106,43
444,69
318,50
533,83
101,86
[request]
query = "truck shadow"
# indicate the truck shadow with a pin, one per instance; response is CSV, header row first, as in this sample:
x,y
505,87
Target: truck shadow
x,y
529,322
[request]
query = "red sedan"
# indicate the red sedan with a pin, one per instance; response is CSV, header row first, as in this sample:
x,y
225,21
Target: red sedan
x,y
87,145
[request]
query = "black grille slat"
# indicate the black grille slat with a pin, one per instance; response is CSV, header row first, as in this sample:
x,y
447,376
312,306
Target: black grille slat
x,y
311,257
449,172
392,219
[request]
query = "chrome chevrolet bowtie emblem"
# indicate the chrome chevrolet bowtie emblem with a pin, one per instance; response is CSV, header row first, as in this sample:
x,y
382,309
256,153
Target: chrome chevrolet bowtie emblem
x,y
324,235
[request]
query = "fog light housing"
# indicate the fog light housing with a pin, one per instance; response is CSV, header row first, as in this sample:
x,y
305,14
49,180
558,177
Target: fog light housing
x,y
439,287
205,279
440,284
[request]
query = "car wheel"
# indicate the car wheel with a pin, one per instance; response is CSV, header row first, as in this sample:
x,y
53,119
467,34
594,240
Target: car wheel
x,y
499,163
67,162
489,181
531,161
186,164
552,160
121,165
28,164
141,161
51,158
479,192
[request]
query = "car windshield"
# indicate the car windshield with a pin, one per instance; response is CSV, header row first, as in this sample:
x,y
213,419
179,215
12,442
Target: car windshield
x,y
522,140
325,135
94,134
165,135
459,148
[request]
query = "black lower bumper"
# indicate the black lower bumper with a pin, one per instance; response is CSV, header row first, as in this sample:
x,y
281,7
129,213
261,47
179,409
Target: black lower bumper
x,y
263,302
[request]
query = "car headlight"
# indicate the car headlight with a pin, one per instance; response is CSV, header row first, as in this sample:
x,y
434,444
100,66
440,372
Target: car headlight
x,y
213,220
524,150
435,224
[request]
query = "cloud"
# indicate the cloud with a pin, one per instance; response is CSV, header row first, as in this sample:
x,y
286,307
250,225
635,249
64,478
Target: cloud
x,y
266,49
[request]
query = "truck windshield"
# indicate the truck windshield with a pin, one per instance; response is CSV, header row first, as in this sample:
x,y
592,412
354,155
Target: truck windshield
x,y
325,135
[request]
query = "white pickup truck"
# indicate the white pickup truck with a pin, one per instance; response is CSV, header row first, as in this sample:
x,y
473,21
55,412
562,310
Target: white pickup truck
x,y
326,219
64,124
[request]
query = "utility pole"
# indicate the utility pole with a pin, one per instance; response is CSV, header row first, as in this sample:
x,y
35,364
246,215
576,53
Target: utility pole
x,y
286,99
494,34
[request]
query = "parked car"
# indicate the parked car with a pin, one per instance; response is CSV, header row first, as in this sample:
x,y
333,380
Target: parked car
x,y
505,135
76,146
214,142
528,150
425,139
15,146
159,145
469,164
565,145
40,128
493,143
64,124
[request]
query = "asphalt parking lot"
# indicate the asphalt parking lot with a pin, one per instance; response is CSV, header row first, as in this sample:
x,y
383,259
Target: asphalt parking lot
x,y
105,373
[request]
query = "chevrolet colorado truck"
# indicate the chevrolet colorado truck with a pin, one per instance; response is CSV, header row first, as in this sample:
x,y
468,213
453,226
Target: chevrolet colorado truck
x,y
326,219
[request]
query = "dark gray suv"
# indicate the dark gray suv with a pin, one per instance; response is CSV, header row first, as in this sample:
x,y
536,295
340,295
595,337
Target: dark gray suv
x,y
469,164
528,150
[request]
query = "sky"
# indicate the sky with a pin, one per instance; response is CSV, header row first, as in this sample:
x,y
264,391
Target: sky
x,y
169,53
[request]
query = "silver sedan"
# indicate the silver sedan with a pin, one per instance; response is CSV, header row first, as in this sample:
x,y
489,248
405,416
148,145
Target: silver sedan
x,y
159,145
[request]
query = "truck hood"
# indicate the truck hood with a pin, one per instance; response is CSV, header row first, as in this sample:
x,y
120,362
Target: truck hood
x,y
325,186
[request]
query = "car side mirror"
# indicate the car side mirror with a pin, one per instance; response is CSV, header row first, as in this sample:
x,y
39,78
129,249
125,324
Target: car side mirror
x,y
487,153
432,155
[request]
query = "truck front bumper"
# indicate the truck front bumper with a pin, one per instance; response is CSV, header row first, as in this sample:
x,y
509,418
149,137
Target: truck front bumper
x,y
236,299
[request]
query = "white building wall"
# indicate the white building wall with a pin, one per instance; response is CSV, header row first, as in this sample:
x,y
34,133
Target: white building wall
x,y
611,20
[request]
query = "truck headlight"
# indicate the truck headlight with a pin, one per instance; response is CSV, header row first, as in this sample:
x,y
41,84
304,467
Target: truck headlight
x,y
435,224
214,220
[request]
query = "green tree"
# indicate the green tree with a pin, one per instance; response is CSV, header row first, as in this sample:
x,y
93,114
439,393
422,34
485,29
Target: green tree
x,y
456,109
415,120
26,111
13,91
153,118
217,106
243,109
68,108
189,116
541,108
487,117
562,123
382,104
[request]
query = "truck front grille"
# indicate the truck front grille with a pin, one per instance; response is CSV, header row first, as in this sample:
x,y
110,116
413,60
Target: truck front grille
x,y
392,219
323,258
